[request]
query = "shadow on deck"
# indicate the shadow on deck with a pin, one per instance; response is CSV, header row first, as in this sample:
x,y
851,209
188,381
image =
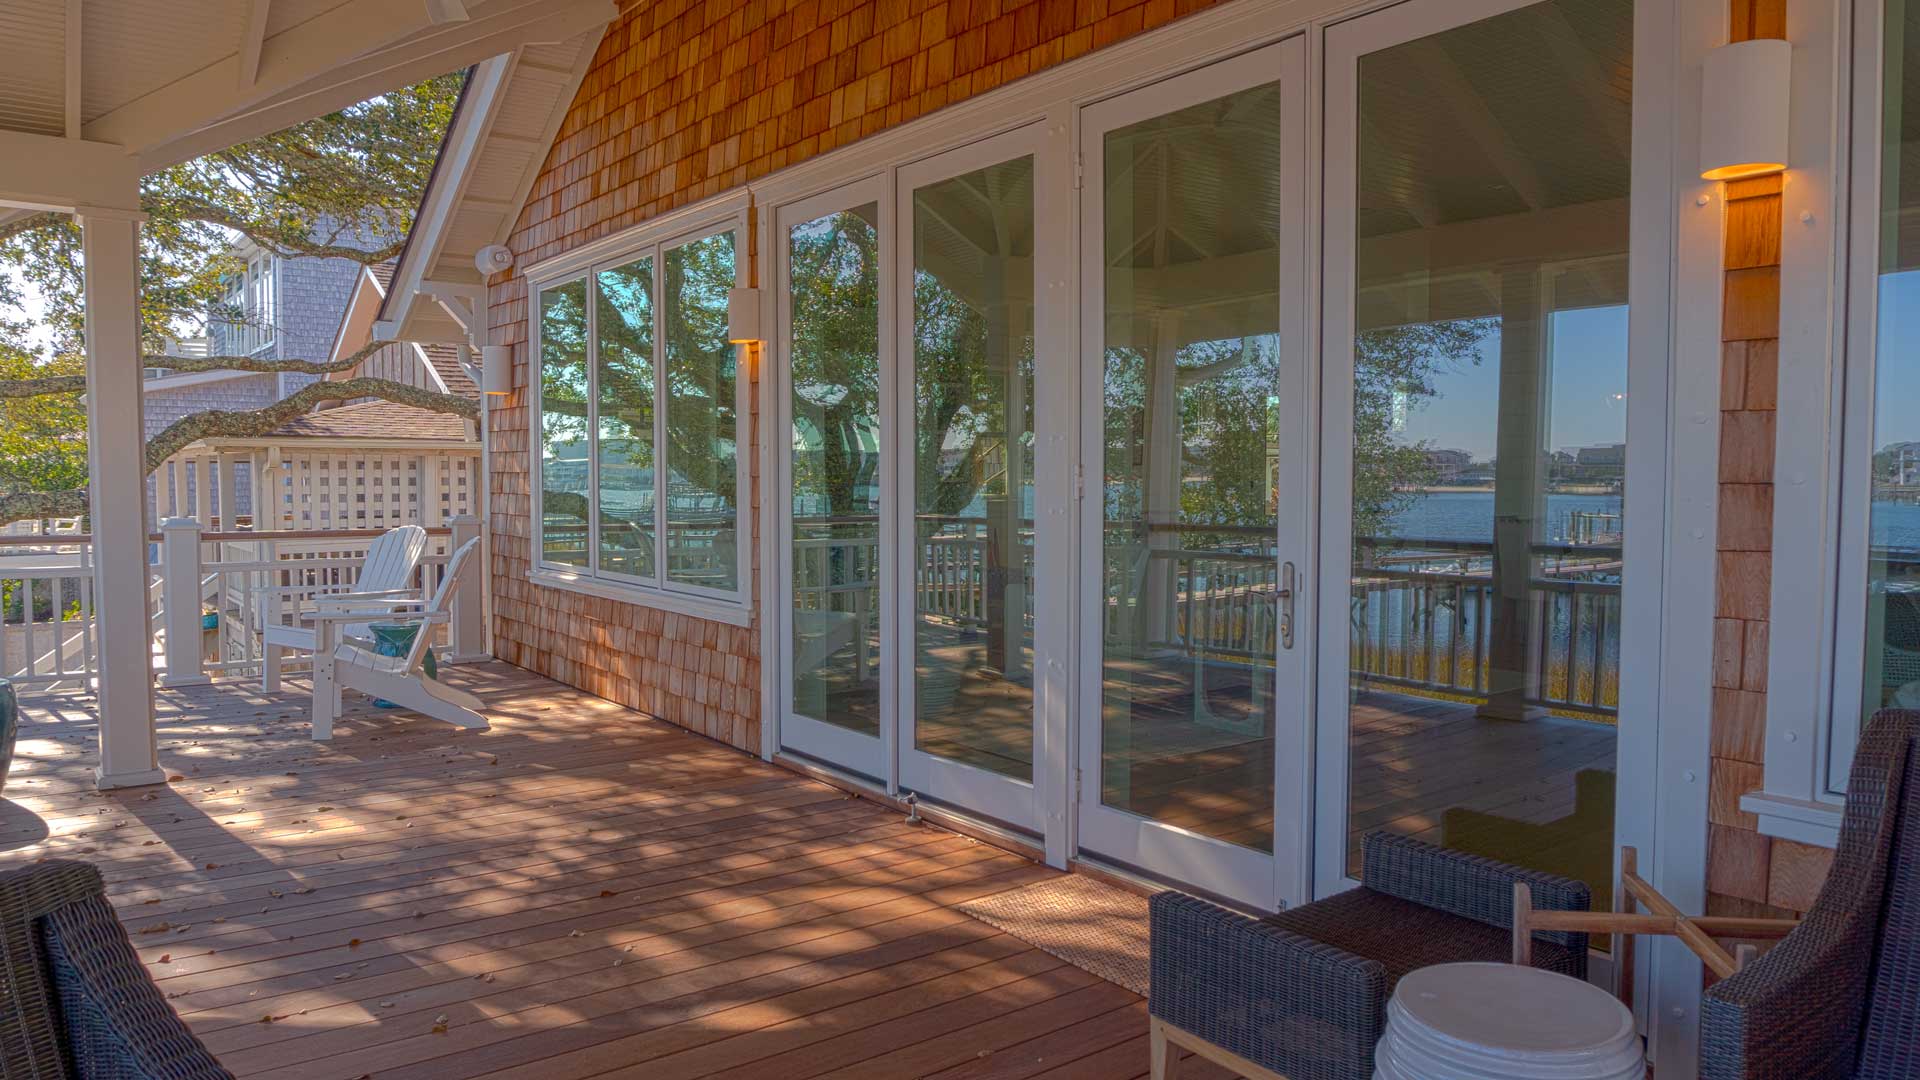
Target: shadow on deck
x,y
581,891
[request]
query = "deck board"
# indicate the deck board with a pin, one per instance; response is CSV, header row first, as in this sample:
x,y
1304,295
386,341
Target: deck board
x,y
585,892
580,891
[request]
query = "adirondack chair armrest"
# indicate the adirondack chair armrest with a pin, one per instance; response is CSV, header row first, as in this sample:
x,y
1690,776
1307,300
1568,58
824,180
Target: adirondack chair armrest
x,y
379,615
375,595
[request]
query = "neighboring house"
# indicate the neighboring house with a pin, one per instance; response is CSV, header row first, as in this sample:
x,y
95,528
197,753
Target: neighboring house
x,y
364,464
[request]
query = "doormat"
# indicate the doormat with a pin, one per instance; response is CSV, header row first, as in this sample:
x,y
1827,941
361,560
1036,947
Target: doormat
x,y
1095,927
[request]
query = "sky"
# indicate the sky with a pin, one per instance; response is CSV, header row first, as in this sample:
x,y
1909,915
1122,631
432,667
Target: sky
x,y
1897,365
30,309
1589,404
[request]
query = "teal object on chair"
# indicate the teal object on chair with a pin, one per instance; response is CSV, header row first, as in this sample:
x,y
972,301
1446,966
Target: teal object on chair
x,y
394,639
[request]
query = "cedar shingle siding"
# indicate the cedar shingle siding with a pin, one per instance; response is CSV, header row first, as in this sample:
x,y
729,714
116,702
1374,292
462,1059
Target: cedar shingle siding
x,y
686,99
1747,873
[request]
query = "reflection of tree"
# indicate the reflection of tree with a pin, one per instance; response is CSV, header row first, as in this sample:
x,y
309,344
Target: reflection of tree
x,y
563,400
1226,429
960,398
835,272
623,319
700,376
1393,371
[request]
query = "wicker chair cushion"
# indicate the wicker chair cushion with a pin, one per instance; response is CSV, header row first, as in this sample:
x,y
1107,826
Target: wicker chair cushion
x,y
1403,935
116,1024
1892,1038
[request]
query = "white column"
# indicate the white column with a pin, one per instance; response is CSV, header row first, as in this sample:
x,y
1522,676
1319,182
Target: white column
x,y
466,641
117,474
180,576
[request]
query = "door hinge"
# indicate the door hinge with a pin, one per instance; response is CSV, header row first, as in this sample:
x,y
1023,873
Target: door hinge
x,y
1076,783
1079,482
1079,170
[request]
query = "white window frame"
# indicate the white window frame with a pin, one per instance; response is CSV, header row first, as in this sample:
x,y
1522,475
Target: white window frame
x,y
650,240
1828,287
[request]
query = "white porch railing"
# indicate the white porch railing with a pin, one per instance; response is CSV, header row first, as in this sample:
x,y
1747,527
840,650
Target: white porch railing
x,y
210,596
47,631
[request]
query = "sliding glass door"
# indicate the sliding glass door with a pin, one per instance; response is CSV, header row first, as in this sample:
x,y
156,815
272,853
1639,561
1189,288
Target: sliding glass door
x,y
1193,346
1478,166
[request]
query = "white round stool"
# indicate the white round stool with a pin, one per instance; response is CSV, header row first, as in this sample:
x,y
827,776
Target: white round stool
x,y
1504,1022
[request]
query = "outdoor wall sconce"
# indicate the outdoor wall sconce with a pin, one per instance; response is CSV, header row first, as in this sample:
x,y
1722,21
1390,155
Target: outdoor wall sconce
x,y
496,369
743,316
1743,109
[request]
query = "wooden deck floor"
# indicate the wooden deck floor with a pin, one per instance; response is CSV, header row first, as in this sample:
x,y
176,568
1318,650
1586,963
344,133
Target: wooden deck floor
x,y
578,892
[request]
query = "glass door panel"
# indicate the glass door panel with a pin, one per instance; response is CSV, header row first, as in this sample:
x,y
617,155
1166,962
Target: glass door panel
x,y
833,379
1477,329
969,297
834,265
1185,372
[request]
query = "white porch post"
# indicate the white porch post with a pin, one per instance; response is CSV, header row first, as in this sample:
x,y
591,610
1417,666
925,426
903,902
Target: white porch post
x,y
110,244
466,642
180,573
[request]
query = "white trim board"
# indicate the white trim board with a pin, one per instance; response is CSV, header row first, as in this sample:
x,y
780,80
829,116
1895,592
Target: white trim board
x,y
1829,210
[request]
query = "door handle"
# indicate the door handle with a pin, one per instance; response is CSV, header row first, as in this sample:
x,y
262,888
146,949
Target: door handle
x,y
1286,605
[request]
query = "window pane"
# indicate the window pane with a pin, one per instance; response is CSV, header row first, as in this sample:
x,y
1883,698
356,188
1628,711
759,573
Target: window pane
x,y
1893,538
1489,432
1187,724
563,424
973,467
701,394
834,267
625,327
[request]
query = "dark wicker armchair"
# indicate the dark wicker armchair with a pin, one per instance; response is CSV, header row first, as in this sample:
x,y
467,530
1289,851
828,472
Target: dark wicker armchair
x,y
1304,993
1839,997
75,1004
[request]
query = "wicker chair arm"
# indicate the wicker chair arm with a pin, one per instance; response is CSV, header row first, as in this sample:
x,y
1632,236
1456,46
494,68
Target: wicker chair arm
x,y
78,1004
1470,886
1785,1015
1306,1010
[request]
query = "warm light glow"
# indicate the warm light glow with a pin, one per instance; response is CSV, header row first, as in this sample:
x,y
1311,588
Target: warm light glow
x,y
1743,172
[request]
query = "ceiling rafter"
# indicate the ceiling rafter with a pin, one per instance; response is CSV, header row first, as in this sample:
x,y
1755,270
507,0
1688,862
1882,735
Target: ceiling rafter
x,y
1445,81
251,42
74,72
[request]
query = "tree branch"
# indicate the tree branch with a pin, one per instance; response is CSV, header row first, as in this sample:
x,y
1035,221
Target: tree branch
x,y
77,384
52,384
258,364
220,423
283,246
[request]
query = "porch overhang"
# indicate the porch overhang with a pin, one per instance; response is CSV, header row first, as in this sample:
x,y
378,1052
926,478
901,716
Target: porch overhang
x,y
89,105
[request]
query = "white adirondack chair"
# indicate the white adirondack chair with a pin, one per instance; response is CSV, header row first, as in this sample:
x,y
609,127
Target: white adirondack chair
x,y
385,573
341,665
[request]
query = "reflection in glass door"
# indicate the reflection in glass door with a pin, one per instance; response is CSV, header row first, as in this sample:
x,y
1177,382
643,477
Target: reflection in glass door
x,y
1186,367
968,297
1477,363
833,385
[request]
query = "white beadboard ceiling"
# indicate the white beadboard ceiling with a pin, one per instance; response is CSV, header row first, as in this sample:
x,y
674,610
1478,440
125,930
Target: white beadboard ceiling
x,y
165,80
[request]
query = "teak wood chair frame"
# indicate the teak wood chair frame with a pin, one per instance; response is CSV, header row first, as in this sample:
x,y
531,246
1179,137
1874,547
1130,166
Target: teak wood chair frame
x,y
1696,932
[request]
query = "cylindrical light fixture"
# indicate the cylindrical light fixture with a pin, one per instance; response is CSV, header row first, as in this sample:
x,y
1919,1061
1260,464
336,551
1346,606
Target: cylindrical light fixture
x,y
743,316
496,369
1744,107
